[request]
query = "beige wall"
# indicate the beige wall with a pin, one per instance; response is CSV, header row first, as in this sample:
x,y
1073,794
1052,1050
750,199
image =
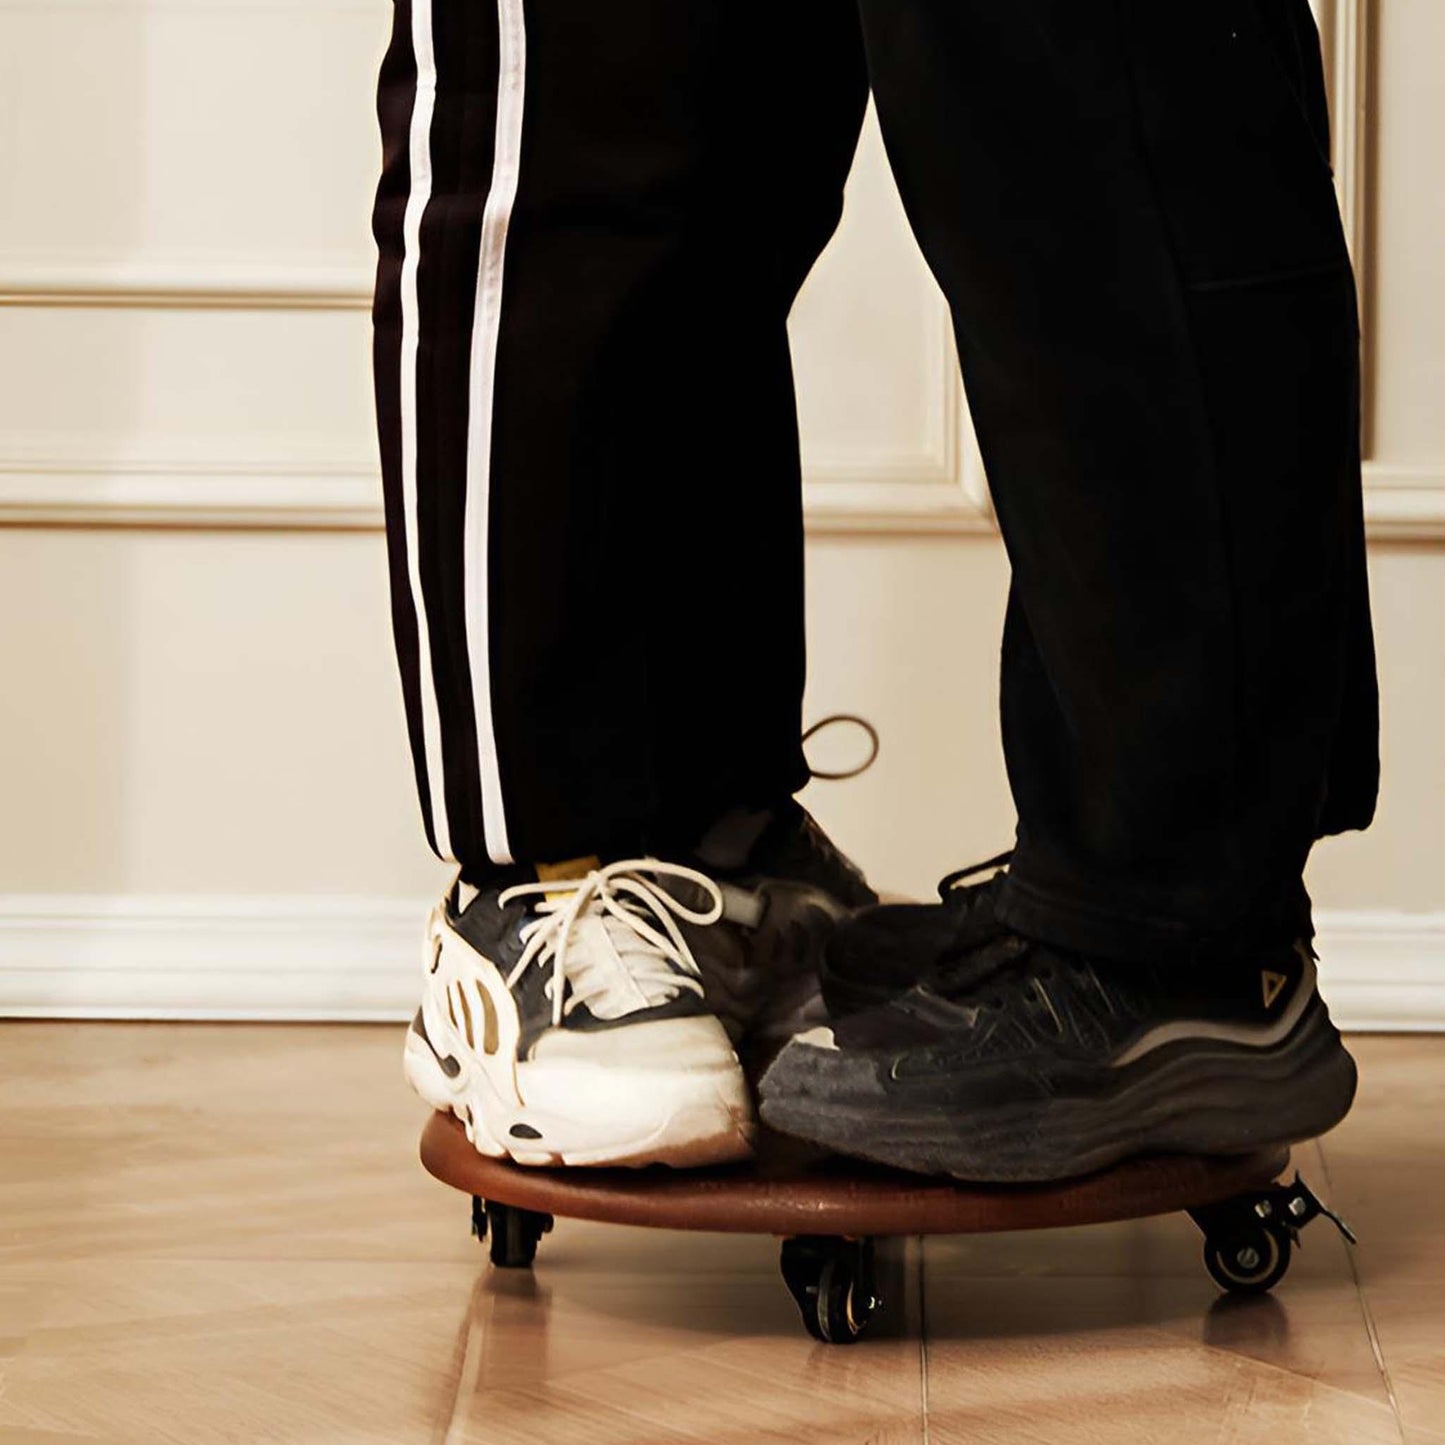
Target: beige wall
x,y
192,707
187,712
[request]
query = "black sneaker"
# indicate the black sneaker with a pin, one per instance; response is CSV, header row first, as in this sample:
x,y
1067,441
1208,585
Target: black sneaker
x,y
883,951
785,890
1054,1065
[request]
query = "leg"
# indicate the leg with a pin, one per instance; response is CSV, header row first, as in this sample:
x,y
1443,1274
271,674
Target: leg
x,y
592,223
1129,207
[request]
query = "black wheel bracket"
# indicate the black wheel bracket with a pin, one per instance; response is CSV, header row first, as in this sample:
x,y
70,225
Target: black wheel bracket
x,y
1285,1207
831,1280
514,1232
1271,1218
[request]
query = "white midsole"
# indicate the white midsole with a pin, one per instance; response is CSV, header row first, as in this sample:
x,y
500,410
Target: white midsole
x,y
574,1112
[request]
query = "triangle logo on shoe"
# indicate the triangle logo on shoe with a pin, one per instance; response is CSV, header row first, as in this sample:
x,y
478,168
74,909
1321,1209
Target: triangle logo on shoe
x,y
1273,984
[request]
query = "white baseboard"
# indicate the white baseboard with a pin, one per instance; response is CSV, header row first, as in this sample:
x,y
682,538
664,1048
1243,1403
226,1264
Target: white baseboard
x,y
140,957
1382,971
195,957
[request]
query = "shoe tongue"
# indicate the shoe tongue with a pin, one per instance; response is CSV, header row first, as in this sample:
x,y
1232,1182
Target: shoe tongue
x,y
605,951
571,868
729,843
614,970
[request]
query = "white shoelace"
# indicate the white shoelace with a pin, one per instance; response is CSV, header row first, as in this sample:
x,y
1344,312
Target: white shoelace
x,y
657,961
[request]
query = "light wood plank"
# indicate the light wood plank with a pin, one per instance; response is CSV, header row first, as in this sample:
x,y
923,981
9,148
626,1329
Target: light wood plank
x,y
220,1233
1387,1175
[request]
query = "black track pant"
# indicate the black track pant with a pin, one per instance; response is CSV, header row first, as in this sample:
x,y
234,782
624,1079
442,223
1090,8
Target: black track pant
x,y
593,220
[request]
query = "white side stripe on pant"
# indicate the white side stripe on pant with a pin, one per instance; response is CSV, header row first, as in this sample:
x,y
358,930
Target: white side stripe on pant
x,y
486,324
416,202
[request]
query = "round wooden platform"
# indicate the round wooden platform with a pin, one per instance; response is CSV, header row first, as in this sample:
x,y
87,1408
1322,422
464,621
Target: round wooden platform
x,y
789,1191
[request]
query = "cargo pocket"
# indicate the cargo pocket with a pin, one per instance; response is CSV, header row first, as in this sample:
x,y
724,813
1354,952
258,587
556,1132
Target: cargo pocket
x,y
1234,129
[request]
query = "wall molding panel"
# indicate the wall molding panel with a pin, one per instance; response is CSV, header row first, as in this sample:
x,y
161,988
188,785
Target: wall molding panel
x,y
1345,28
199,284
345,284
937,487
166,493
877,497
944,490
302,957
933,483
1405,503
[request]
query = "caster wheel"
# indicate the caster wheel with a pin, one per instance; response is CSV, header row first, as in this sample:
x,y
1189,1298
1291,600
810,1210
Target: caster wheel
x,y
514,1233
1249,1240
1248,1260
831,1281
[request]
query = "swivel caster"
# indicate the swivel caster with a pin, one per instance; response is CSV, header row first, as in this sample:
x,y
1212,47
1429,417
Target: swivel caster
x,y
832,1282
1249,1241
1251,1260
514,1233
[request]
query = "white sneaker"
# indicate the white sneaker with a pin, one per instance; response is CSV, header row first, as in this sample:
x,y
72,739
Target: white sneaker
x,y
564,1022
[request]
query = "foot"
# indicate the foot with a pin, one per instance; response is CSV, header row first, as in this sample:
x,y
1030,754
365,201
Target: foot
x,y
785,887
1052,1065
887,949
564,1022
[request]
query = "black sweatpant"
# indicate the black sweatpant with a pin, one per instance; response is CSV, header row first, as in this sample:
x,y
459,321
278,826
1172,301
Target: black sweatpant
x,y
593,220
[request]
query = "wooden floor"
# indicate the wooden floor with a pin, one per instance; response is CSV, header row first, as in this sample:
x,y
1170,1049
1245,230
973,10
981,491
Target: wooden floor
x,y
220,1233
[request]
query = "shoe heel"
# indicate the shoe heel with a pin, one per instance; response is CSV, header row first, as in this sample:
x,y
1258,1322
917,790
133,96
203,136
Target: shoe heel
x,y
421,1070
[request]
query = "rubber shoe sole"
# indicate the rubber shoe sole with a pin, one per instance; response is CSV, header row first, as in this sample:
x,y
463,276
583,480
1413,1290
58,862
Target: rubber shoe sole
x,y
1208,1099
579,1114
